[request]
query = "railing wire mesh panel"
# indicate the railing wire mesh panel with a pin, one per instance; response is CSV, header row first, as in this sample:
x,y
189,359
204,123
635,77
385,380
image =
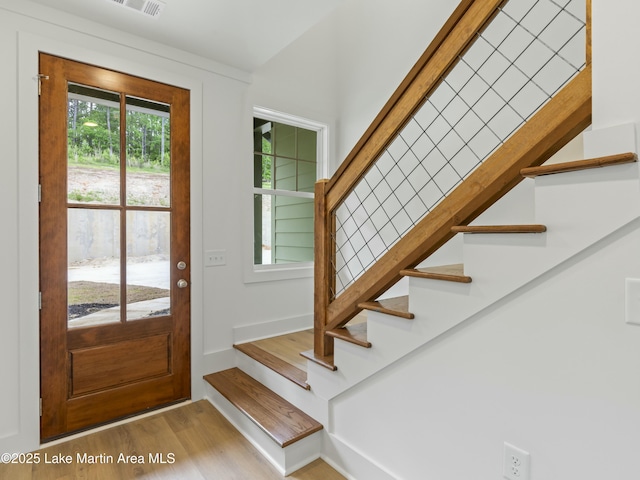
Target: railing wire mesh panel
x,y
529,51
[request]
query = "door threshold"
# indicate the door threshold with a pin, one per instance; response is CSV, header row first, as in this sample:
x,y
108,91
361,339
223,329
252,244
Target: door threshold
x,y
116,423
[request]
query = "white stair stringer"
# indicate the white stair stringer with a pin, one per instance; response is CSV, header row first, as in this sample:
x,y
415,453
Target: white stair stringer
x,y
579,209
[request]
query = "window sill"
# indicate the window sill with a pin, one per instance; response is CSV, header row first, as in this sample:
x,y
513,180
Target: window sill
x,y
270,273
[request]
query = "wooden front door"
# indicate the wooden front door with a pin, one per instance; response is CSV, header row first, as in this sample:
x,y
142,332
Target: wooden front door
x,y
114,245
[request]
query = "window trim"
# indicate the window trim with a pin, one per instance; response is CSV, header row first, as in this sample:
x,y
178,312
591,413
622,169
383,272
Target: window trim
x,y
265,273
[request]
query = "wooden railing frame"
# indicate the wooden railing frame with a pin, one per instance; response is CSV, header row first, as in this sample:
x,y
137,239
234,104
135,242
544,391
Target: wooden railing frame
x,y
560,120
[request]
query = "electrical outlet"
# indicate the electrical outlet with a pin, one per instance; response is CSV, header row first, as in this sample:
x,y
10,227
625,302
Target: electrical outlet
x,y
215,258
516,463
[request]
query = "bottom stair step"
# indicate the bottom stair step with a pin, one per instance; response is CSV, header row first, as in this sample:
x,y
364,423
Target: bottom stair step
x,y
275,416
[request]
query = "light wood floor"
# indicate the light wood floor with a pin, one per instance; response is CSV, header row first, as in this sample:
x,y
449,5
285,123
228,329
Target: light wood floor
x,y
288,347
199,441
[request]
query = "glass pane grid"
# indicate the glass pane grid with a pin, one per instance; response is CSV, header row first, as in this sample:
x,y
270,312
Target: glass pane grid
x,y
527,53
117,248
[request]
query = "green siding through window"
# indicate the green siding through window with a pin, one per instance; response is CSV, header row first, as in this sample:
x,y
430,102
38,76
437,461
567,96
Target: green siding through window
x,y
285,160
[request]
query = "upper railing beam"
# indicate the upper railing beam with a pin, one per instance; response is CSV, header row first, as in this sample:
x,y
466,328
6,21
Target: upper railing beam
x,y
469,18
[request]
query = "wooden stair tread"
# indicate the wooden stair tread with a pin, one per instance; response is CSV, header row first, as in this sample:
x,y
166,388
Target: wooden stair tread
x,y
449,273
282,421
324,361
398,306
499,229
356,334
291,372
619,159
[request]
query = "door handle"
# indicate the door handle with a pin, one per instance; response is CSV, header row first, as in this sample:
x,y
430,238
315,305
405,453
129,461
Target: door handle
x,y
182,283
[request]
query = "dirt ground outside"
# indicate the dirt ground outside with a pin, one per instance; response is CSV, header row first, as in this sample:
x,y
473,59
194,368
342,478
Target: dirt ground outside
x,y
102,185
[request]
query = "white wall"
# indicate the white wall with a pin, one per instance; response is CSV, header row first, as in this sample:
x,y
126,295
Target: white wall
x,y
9,321
616,67
345,68
380,41
551,369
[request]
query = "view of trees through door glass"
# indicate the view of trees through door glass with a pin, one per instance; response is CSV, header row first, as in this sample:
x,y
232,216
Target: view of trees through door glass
x,y
118,207
285,172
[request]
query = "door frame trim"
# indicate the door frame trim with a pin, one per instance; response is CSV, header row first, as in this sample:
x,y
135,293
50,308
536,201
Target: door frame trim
x,y
27,436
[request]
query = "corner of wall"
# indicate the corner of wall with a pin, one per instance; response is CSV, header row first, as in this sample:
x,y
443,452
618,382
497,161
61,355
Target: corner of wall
x,y
610,140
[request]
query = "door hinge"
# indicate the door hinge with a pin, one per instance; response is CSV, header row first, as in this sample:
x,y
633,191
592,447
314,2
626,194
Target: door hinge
x,y
39,300
40,406
39,193
41,77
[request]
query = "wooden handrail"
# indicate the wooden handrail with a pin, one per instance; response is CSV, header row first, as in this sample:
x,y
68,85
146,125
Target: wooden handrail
x,y
563,117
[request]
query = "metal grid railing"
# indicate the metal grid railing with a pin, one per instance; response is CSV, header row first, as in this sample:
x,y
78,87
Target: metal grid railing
x,y
528,52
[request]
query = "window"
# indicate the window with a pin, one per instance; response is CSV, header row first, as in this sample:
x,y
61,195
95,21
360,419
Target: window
x,y
287,161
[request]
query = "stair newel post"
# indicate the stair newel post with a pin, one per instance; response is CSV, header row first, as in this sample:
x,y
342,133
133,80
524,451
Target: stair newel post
x,y
324,276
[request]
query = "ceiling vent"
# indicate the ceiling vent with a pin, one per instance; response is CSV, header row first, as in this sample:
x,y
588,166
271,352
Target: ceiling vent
x,y
150,8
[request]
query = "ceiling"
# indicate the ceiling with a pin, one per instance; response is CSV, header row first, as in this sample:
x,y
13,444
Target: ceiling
x,y
240,33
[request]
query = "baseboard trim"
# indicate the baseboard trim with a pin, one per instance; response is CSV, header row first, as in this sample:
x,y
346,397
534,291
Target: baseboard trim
x,y
349,462
258,331
217,361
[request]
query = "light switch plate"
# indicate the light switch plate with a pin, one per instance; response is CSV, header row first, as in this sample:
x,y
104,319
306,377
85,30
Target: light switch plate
x,y
632,300
215,258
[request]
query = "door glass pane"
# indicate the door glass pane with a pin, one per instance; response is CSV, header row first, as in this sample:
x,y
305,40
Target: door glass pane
x,y
148,270
93,273
148,153
93,146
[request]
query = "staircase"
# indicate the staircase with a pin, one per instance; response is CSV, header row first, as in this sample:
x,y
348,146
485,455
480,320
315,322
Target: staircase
x,y
575,205
392,184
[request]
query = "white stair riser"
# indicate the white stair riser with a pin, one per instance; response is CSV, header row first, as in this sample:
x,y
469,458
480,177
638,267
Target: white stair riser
x,y
303,399
579,207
